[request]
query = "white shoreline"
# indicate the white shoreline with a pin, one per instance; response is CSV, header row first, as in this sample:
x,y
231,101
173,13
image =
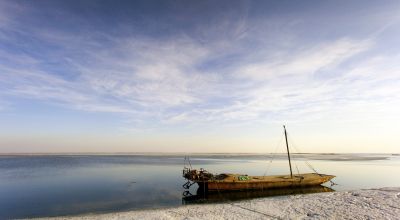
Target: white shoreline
x,y
383,203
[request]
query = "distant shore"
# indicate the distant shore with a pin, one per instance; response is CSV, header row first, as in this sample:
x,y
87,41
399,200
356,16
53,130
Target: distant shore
x,y
383,203
260,156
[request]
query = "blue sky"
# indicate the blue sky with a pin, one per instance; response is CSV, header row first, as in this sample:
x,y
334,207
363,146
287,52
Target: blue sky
x,y
199,76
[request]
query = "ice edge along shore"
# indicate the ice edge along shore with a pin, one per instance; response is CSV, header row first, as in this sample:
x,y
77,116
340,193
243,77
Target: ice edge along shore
x,y
383,203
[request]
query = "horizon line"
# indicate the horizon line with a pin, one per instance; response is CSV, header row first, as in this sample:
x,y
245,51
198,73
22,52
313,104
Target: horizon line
x,y
169,153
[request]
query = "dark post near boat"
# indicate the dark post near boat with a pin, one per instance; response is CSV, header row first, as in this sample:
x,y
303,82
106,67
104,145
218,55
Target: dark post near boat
x,y
288,154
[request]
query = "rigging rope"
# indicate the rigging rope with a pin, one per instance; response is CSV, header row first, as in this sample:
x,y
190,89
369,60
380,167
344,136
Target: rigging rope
x,y
273,155
306,162
188,161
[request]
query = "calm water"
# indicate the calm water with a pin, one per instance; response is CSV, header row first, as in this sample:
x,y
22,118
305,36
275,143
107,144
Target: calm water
x,y
34,186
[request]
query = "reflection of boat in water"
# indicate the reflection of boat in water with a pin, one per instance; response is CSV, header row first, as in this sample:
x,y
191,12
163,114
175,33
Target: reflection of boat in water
x,y
212,197
227,182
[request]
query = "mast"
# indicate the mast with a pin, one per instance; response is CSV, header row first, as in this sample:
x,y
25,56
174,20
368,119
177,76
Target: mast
x,y
288,153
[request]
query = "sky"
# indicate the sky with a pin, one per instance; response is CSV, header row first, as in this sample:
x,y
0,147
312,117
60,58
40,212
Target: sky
x,y
199,76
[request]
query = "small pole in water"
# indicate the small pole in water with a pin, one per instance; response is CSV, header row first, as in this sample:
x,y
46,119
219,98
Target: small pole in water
x,y
288,153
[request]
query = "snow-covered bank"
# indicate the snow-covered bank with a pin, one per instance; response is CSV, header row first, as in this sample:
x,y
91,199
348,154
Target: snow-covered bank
x,y
381,203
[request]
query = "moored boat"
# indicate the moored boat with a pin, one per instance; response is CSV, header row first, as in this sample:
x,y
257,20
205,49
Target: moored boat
x,y
230,182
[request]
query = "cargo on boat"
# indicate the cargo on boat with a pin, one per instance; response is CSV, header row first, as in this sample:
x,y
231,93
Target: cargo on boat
x,y
229,182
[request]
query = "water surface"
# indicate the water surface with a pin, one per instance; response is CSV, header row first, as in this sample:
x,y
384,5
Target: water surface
x,y
53,185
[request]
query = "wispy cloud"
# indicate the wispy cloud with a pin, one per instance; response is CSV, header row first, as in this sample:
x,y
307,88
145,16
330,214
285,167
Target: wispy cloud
x,y
288,81
307,61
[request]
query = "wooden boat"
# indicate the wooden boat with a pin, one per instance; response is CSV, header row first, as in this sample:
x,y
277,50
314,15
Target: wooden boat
x,y
229,182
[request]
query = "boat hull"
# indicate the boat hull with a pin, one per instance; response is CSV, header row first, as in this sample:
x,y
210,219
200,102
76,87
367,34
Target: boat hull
x,y
265,182
221,196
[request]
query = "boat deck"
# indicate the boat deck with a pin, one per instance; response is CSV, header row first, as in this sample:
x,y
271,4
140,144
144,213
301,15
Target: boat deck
x,y
275,178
